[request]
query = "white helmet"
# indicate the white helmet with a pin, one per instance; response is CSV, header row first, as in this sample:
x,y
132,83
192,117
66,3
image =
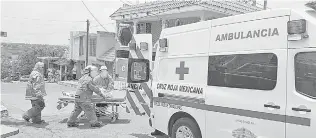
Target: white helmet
x,y
103,68
88,69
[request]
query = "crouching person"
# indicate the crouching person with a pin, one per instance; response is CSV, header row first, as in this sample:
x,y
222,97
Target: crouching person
x,y
35,92
83,101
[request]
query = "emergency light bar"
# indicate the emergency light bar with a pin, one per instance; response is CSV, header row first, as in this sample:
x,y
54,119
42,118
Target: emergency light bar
x,y
296,30
296,26
163,45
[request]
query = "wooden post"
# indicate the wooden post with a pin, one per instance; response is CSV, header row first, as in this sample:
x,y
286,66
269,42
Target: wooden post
x,y
60,71
66,72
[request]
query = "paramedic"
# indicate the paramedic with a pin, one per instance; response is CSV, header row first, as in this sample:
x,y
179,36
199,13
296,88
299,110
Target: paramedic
x,y
105,82
35,92
83,101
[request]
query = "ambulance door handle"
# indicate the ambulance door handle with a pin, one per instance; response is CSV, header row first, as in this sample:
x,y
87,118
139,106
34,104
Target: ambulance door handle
x,y
300,109
272,106
161,95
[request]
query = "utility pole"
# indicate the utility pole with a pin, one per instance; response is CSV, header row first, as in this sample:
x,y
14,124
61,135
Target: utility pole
x,y
265,4
87,46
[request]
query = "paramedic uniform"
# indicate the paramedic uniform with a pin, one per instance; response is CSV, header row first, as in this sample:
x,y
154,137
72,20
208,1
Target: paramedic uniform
x,y
83,101
35,92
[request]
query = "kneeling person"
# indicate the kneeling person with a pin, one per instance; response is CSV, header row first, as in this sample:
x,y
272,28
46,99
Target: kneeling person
x,y
83,101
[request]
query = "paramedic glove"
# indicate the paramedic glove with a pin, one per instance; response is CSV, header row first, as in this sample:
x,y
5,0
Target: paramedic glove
x,y
95,89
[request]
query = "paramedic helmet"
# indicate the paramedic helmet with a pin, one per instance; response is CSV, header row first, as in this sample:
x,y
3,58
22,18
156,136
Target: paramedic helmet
x,y
104,71
91,70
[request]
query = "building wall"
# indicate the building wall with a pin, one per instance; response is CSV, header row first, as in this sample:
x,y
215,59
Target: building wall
x,y
156,29
105,41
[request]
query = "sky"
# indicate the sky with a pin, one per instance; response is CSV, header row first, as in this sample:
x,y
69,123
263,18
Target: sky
x,y
50,22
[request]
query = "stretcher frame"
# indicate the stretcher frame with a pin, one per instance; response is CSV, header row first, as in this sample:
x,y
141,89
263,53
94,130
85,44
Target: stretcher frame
x,y
114,103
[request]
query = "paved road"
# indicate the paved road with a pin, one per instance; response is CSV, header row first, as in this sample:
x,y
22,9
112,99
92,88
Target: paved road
x,y
12,96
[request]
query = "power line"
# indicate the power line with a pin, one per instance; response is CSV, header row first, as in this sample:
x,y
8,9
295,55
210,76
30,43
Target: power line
x,y
36,19
100,25
93,16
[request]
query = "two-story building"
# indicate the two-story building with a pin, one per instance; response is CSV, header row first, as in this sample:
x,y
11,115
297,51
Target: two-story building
x,y
101,50
152,17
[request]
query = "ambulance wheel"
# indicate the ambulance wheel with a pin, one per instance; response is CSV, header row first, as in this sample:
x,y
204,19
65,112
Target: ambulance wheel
x,y
185,128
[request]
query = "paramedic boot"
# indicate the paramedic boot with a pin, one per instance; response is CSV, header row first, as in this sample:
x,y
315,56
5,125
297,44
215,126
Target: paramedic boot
x,y
39,122
98,124
74,124
156,132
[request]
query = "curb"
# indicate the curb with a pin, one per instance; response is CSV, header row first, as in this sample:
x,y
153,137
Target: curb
x,y
7,131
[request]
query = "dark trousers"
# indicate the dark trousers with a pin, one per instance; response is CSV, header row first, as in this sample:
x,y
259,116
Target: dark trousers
x,y
35,113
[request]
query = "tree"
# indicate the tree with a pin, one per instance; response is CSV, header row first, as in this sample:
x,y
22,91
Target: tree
x,y
311,4
5,66
27,58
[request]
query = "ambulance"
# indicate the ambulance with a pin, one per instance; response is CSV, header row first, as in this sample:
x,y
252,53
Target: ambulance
x,y
245,76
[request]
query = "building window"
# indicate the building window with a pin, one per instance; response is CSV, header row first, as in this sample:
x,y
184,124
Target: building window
x,y
305,73
81,46
93,46
143,28
246,71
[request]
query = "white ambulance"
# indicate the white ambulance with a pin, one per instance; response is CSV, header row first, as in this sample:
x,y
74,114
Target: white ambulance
x,y
246,76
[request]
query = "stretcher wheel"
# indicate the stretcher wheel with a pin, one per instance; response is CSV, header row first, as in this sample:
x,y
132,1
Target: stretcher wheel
x,y
113,119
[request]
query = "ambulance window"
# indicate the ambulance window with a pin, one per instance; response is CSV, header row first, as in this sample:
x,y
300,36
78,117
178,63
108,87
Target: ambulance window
x,y
247,71
305,73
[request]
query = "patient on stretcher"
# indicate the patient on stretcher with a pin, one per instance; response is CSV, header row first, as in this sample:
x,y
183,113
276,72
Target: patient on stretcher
x,y
105,82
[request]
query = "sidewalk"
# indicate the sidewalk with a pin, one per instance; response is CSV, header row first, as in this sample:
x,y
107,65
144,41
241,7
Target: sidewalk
x,y
69,83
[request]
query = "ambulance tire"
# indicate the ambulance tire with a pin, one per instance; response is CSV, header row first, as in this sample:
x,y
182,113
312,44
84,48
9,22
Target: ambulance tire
x,y
189,123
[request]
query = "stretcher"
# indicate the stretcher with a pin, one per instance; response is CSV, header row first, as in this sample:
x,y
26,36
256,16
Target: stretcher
x,y
118,98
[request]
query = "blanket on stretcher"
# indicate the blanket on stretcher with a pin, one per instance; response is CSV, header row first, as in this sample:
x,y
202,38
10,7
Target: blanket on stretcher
x,y
116,96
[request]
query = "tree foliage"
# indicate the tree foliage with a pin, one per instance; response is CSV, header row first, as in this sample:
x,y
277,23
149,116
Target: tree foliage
x,y
27,56
311,4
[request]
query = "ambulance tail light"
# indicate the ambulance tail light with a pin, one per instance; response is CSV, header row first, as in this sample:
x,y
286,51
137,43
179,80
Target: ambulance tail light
x,y
122,54
163,43
296,29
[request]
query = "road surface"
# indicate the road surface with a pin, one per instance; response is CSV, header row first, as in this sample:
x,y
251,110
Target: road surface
x,y
12,96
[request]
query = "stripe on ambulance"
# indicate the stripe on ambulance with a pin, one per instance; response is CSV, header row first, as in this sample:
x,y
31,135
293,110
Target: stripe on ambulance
x,y
142,101
138,94
144,85
240,112
133,105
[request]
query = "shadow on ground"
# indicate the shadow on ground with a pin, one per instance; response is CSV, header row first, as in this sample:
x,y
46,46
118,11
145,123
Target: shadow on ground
x,y
15,122
147,136
84,123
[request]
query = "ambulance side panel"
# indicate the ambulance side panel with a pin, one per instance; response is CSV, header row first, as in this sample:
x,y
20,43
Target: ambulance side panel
x,y
180,76
246,93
